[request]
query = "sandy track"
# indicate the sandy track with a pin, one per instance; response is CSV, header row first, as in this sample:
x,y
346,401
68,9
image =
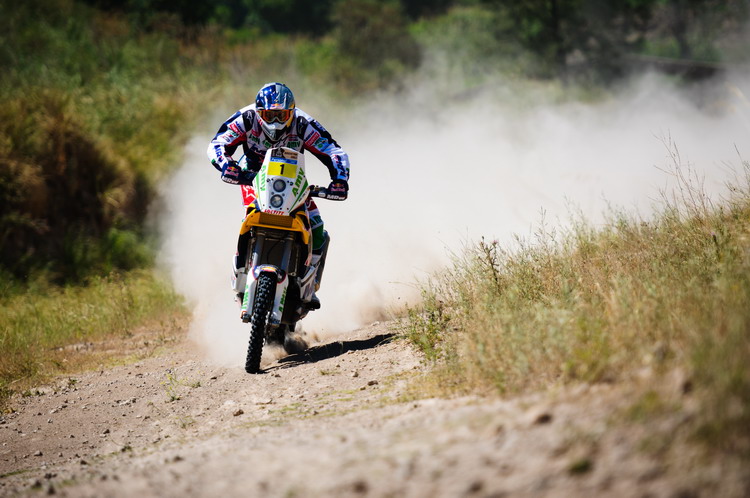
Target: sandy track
x,y
333,422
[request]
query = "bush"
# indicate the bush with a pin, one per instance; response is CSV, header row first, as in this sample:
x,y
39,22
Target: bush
x,y
373,43
91,112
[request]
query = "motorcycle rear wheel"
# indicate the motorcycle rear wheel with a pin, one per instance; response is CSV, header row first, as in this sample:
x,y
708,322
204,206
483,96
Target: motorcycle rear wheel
x,y
261,307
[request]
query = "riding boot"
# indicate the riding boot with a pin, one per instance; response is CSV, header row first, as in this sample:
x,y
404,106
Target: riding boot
x,y
314,302
318,262
319,259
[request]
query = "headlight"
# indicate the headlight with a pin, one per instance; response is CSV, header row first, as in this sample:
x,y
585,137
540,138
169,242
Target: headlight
x,y
279,185
276,201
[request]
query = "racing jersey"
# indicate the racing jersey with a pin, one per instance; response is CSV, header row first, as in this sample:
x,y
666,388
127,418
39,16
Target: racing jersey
x,y
305,133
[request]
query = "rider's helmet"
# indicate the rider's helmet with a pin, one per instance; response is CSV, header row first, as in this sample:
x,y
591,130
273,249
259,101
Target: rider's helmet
x,y
275,107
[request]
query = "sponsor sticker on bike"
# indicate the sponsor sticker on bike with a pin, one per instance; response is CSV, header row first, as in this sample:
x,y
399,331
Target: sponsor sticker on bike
x,y
261,181
284,155
283,299
287,169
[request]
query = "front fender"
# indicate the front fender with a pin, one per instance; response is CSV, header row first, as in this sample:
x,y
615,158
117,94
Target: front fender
x,y
277,311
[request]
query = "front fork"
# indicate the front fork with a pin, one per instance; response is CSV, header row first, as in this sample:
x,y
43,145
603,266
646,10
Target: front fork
x,y
279,272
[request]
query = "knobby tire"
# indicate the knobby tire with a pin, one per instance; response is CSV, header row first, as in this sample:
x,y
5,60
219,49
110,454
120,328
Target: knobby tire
x,y
261,307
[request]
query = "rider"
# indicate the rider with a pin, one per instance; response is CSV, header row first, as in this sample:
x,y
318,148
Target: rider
x,y
275,121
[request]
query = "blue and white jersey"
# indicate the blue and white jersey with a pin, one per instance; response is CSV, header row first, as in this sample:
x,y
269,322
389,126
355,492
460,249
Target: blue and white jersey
x,y
305,133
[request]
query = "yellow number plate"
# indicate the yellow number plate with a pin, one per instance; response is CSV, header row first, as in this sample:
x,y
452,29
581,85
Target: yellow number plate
x,y
282,169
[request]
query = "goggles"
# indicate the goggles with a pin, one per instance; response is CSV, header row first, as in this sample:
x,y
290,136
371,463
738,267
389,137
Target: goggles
x,y
275,115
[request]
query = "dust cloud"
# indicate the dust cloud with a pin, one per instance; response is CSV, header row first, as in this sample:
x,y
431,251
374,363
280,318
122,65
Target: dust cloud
x,y
431,174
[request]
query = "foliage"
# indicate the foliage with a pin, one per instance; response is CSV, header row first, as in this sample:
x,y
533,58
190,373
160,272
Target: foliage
x,y
97,96
36,324
469,43
417,9
691,27
265,16
595,305
373,43
89,115
571,39
576,38
585,40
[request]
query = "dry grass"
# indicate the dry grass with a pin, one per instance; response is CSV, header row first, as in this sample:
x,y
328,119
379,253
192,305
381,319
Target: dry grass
x,y
57,330
596,305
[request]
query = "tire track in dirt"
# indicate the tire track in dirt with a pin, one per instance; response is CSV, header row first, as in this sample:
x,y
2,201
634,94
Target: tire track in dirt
x,y
336,421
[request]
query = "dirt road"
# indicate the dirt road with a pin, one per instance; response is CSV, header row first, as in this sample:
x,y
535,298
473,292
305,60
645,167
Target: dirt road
x,y
339,420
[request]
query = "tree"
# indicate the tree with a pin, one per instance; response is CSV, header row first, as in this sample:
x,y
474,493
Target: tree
x,y
374,37
587,34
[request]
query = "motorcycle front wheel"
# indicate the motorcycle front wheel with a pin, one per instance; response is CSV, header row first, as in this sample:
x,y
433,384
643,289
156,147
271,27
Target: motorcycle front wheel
x,y
261,307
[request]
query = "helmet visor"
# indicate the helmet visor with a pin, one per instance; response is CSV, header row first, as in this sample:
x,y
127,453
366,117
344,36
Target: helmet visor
x,y
275,115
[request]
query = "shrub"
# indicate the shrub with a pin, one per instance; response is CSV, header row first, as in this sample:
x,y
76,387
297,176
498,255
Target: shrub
x,y
596,305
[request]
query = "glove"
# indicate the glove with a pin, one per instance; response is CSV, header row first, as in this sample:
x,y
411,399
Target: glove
x,y
338,190
235,175
230,173
247,176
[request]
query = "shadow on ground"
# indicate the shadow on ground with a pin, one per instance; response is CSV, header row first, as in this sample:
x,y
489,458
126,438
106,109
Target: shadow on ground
x,y
334,349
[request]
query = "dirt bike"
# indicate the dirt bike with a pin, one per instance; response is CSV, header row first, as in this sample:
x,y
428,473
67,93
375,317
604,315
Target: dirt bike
x,y
280,273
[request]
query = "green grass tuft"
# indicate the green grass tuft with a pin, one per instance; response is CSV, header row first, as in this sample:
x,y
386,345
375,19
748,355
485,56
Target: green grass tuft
x,y
38,324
